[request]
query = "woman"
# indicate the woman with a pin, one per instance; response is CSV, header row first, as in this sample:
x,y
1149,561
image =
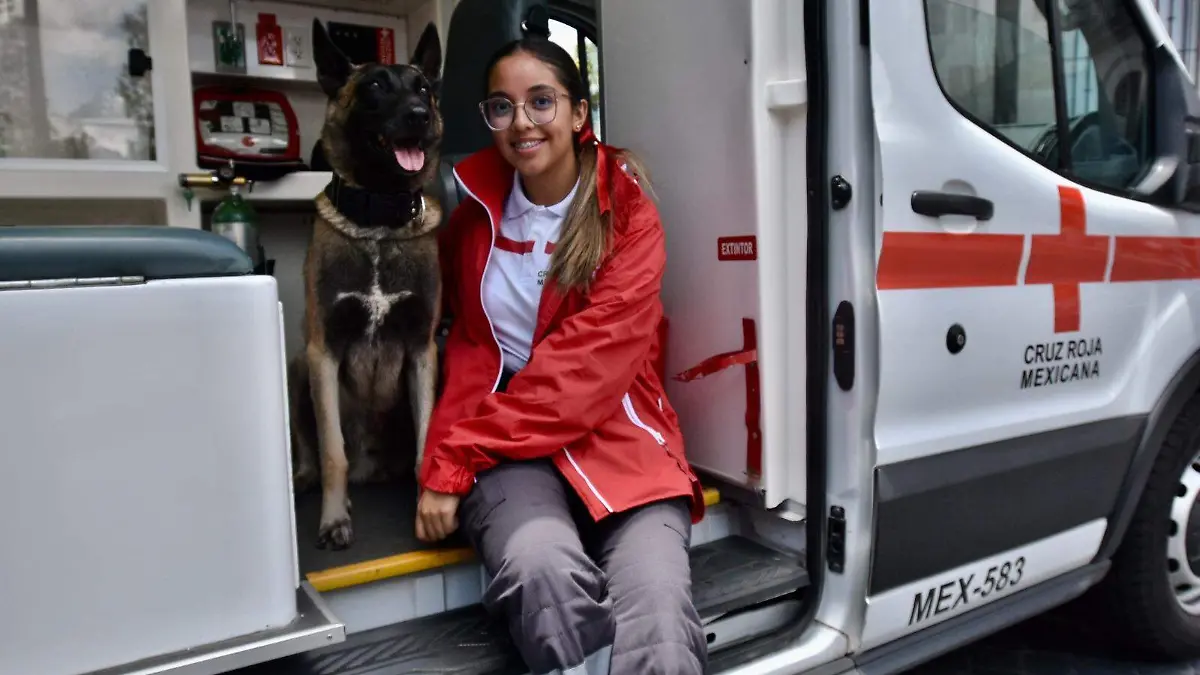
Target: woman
x,y
553,442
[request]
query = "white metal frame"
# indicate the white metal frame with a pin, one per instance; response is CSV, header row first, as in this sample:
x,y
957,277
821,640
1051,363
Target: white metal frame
x,y
175,145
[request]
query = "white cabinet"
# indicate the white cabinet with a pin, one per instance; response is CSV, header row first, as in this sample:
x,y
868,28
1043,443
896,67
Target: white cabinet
x,y
82,140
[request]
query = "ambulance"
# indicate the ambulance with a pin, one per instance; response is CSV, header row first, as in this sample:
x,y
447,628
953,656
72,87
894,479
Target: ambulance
x,y
932,319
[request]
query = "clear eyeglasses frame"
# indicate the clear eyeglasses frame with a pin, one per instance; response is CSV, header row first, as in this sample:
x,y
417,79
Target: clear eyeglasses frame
x,y
540,108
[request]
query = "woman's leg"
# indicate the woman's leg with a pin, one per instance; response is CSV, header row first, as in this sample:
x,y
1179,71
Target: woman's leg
x,y
644,553
519,519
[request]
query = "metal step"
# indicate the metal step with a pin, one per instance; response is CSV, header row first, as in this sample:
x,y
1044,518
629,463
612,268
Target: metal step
x,y
385,544
383,516
727,575
314,627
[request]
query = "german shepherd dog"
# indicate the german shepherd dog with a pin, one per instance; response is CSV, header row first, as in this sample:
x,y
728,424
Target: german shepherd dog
x,y
372,286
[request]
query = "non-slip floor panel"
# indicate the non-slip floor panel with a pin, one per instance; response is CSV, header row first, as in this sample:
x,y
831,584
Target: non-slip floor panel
x,y
734,572
461,642
384,517
727,575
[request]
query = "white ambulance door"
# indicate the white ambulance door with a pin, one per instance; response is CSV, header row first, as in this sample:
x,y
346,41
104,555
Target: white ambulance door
x,y
722,126
1008,407
87,132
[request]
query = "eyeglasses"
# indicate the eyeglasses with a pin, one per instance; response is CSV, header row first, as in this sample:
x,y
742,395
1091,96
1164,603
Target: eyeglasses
x,y
500,111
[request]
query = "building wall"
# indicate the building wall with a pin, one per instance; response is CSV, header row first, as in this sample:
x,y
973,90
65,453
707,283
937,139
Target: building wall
x,y
1182,18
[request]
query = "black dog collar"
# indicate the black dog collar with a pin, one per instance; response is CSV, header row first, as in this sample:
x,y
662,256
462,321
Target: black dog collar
x,y
374,209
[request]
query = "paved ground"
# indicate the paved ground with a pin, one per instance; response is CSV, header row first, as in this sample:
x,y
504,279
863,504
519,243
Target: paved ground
x,y
1044,646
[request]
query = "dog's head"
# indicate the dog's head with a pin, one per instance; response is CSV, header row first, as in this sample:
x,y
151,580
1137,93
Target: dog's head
x,y
383,130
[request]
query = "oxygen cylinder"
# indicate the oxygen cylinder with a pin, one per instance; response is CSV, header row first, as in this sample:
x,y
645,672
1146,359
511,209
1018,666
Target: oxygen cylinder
x,y
235,219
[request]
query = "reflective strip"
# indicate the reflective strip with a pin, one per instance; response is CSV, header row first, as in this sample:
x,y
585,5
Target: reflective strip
x,y
588,481
637,421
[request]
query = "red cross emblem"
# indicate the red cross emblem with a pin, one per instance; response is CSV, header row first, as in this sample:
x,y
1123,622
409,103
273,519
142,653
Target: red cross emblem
x,y
929,260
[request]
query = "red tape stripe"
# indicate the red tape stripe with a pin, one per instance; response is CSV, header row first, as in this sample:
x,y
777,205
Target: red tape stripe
x,y
1156,259
715,364
921,260
748,357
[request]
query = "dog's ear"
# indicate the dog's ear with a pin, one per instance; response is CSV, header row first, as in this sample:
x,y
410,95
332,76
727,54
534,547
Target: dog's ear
x,y
333,68
428,54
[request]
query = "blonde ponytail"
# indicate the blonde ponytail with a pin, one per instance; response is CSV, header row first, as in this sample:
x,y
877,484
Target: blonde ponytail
x,y
587,233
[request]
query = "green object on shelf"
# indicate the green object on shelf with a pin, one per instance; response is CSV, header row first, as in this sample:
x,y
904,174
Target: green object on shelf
x,y
229,47
235,219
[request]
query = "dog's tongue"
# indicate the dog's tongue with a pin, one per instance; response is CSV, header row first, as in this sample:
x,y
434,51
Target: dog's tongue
x,y
412,159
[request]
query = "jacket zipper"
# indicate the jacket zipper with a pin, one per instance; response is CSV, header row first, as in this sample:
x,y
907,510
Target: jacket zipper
x,y
492,329
658,438
482,304
637,421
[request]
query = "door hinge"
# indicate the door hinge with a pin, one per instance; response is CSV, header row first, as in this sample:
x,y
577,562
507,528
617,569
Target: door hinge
x,y
69,282
835,545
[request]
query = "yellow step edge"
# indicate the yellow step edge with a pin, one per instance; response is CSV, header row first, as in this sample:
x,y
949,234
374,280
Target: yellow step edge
x,y
365,572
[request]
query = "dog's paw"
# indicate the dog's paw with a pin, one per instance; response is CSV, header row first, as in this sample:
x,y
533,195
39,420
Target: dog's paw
x,y
338,534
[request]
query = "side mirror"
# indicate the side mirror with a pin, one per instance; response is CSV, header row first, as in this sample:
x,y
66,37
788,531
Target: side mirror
x,y
1173,179
1190,183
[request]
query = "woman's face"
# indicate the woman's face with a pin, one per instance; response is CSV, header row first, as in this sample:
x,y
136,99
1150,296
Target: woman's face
x,y
531,86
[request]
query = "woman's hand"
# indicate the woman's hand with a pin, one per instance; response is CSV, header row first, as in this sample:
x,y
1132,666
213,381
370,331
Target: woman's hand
x,y
437,515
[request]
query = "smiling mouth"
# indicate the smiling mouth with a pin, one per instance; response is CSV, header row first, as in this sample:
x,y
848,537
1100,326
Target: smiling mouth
x,y
409,155
528,146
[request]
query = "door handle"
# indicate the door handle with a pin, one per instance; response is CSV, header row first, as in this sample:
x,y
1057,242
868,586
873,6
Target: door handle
x,y
934,204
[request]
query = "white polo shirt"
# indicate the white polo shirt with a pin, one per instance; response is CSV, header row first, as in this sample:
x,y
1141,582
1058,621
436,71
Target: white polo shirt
x,y
512,284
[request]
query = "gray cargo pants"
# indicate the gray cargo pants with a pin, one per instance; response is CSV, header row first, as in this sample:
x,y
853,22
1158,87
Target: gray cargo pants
x,y
582,597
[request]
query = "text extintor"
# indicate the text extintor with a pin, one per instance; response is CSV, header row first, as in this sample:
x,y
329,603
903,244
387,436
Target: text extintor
x,y
737,248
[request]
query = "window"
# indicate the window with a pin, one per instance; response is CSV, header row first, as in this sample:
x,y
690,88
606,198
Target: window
x,y
65,88
996,61
1106,78
587,57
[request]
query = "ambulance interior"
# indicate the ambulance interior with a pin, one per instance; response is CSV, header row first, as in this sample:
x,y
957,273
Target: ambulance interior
x,y
745,426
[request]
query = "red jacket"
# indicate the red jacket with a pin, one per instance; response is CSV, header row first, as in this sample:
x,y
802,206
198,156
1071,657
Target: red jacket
x,y
590,397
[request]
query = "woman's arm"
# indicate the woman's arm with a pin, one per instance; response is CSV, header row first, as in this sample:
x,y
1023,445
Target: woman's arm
x,y
576,376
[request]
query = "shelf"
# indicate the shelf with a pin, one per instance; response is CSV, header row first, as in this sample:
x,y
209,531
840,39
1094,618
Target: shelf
x,y
299,187
291,16
286,82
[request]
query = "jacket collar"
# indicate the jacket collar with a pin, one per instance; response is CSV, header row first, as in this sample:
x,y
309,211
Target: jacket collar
x,y
488,178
